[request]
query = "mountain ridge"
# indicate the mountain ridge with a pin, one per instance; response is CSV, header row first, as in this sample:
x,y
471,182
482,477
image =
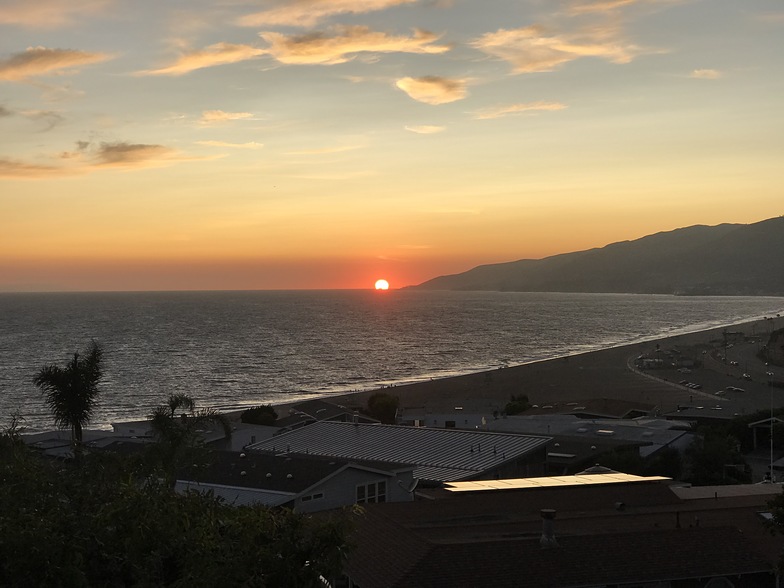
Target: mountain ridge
x,y
725,259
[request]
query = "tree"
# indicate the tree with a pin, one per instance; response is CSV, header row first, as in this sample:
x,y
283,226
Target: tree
x,y
517,404
179,438
259,415
102,524
383,406
70,392
714,458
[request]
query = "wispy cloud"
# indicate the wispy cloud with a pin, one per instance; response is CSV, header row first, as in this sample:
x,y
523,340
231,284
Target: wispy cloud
x,y
49,14
249,145
424,129
126,155
579,7
326,150
49,118
38,61
433,89
511,109
533,49
584,6
211,117
706,74
11,169
306,13
88,157
344,43
217,54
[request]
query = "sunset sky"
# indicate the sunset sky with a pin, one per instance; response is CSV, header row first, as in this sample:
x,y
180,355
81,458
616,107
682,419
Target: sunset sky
x,y
265,144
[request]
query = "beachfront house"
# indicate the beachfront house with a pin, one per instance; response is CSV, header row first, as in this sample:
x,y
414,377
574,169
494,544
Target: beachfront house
x,y
589,531
580,442
310,411
438,455
301,482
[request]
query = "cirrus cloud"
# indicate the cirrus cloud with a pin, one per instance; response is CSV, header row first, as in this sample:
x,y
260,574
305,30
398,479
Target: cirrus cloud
x,y
345,43
123,154
533,49
249,145
217,54
306,13
209,117
424,129
11,169
706,74
510,109
39,61
433,89
49,14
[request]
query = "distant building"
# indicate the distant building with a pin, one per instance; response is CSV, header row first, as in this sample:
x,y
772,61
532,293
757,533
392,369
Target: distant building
x,y
437,455
311,411
302,483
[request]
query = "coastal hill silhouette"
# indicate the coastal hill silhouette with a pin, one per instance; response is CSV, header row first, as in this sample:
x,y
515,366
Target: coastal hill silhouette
x,y
727,259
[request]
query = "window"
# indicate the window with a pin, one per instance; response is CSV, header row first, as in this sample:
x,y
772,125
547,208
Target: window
x,y
317,496
373,492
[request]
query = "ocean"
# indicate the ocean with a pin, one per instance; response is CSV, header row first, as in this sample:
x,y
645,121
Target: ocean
x,y
234,349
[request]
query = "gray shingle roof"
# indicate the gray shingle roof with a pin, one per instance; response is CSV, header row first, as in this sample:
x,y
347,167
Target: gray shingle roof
x,y
452,453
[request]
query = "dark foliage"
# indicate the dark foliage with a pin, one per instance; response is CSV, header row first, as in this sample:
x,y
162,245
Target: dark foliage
x,y
102,524
715,458
259,415
517,404
70,392
383,406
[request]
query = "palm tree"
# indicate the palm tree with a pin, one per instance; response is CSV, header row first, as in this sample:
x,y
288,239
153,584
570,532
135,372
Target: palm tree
x,y
179,436
70,392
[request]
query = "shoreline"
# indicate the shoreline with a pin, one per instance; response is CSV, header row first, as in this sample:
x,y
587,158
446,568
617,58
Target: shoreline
x,y
420,380
595,374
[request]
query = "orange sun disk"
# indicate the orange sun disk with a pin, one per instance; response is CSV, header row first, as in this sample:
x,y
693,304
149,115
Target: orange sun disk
x,y
382,285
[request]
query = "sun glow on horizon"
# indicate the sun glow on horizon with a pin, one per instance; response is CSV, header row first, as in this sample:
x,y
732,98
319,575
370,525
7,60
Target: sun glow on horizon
x,y
382,285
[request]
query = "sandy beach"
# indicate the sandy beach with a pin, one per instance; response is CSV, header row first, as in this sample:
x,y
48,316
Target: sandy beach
x,y
610,373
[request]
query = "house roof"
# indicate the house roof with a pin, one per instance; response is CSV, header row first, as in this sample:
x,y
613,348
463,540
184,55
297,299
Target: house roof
x,y
278,473
238,496
606,534
599,430
618,558
317,410
438,454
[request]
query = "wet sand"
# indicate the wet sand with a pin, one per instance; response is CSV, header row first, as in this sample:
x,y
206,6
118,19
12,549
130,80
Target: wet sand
x,y
606,373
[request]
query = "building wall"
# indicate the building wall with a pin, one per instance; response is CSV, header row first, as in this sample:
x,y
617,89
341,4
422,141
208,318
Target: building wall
x,y
341,490
530,465
447,420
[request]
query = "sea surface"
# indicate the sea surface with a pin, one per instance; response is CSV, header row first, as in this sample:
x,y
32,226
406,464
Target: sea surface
x,y
235,349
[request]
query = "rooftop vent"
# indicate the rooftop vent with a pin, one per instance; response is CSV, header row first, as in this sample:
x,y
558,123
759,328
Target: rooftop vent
x,y
548,540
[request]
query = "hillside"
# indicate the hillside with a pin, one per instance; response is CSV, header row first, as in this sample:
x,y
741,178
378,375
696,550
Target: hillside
x,y
727,259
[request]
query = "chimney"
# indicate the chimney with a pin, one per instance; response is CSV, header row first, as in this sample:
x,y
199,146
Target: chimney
x,y
355,417
548,536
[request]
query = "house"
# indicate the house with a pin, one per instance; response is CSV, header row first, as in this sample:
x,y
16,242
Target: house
x,y
310,411
437,455
595,530
578,442
454,417
300,482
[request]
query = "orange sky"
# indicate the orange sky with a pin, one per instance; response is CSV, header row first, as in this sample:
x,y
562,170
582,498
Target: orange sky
x,y
327,143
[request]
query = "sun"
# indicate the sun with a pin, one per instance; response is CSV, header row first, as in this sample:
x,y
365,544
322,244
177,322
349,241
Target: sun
x,y
382,285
